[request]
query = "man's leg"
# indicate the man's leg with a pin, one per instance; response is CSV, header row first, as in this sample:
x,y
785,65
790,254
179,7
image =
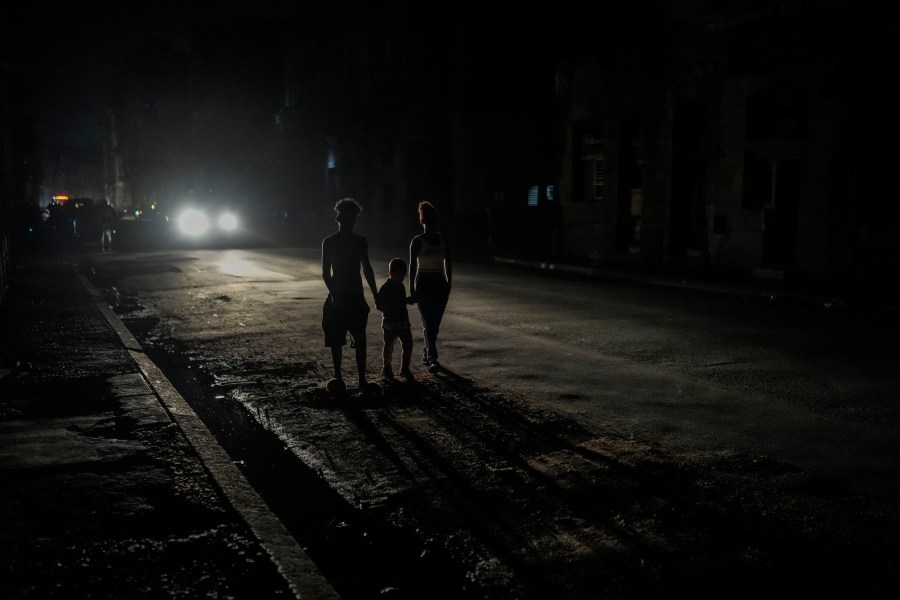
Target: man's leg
x,y
337,356
359,340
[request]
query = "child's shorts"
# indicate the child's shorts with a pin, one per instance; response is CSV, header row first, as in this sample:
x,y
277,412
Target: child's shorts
x,y
341,316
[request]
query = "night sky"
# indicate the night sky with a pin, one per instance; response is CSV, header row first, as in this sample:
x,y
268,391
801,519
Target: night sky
x,y
67,48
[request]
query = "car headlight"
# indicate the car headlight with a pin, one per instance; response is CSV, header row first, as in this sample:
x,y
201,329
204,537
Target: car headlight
x,y
228,221
193,222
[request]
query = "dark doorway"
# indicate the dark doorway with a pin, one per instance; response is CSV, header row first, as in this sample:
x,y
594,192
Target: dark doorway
x,y
687,218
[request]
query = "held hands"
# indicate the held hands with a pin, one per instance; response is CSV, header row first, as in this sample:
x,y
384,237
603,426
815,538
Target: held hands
x,y
411,299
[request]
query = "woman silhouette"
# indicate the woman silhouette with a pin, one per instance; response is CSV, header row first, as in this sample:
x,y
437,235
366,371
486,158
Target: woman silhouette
x,y
430,279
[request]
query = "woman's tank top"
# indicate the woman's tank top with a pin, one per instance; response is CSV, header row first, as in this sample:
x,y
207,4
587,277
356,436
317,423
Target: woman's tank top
x,y
431,256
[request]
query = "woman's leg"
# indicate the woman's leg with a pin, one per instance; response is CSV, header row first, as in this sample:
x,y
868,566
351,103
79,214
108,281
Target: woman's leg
x,y
432,303
426,312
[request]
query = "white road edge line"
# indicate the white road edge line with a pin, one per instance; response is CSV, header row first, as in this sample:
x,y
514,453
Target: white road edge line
x,y
298,570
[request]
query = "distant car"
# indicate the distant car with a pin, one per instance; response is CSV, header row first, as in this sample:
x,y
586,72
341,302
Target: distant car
x,y
149,212
85,216
207,224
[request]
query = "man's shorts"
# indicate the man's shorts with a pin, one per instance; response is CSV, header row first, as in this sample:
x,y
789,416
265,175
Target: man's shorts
x,y
341,316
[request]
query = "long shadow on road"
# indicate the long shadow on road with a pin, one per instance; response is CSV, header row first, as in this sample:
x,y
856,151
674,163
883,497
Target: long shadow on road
x,y
536,501
489,496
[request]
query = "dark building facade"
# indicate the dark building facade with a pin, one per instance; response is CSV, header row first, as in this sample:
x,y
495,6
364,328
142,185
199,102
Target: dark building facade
x,y
746,138
741,138
19,166
735,137
393,106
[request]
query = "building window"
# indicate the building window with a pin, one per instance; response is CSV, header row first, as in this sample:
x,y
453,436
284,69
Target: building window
x,y
594,179
774,114
768,180
599,174
591,166
541,193
331,154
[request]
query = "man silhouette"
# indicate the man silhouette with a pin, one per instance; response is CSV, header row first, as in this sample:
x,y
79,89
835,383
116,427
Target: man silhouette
x,y
346,310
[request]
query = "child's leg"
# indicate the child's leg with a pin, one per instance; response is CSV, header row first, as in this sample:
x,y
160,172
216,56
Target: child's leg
x,y
406,342
387,355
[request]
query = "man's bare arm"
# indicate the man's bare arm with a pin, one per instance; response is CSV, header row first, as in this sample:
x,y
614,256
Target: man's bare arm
x,y
326,267
369,272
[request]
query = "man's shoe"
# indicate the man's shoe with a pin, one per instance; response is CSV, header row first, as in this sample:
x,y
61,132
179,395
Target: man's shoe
x,y
434,367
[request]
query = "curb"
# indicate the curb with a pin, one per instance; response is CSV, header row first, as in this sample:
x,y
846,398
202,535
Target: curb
x,y
734,289
298,570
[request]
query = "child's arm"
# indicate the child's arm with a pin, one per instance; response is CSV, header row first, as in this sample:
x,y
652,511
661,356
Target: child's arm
x,y
379,299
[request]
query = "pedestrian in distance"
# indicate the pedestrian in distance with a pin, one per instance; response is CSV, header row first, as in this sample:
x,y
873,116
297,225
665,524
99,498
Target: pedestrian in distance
x,y
107,225
430,279
392,301
346,310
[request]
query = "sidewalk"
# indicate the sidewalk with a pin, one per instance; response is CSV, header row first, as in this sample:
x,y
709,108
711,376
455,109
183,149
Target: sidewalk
x,y
763,288
112,486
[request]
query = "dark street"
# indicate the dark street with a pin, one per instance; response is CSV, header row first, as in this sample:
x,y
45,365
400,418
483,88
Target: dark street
x,y
641,257
509,477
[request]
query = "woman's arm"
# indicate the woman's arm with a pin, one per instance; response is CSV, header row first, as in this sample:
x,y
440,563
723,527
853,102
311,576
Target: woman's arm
x,y
414,246
448,264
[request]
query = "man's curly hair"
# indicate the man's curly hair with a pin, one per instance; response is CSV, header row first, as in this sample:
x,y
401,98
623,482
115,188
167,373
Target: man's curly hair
x,y
347,206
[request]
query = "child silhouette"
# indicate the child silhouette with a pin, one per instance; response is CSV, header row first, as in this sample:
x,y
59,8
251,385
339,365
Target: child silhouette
x,y
391,301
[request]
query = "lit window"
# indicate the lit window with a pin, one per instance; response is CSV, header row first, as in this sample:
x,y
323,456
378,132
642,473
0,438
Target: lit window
x,y
536,193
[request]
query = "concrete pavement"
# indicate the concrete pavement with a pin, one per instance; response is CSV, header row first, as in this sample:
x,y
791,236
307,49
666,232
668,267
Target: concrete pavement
x,y
112,486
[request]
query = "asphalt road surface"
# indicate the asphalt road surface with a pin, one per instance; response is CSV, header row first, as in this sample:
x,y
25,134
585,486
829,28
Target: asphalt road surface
x,y
570,445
